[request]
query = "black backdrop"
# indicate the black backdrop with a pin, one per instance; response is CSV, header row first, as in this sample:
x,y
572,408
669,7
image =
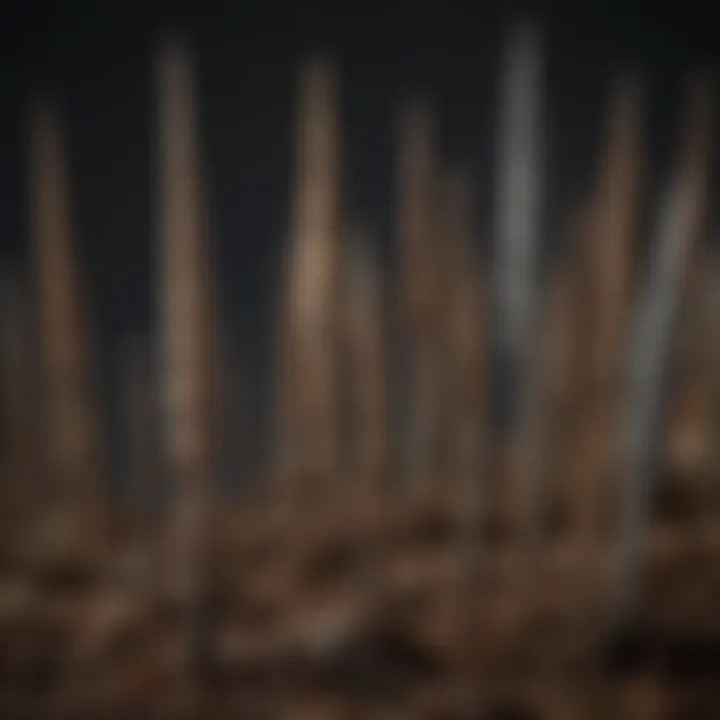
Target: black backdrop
x,y
97,60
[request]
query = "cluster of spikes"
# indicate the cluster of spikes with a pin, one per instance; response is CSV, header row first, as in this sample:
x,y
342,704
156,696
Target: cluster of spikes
x,y
538,413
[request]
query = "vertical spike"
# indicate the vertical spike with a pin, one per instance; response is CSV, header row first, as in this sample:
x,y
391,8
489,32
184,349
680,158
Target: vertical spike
x,y
420,293
74,424
551,450
571,304
519,227
678,223
519,202
465,354
314,270
365,362
617,218
415,213
615,227
465,368
185,319
556,358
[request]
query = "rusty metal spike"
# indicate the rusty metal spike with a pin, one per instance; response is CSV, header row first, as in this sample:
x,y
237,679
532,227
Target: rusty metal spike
x,y
313,273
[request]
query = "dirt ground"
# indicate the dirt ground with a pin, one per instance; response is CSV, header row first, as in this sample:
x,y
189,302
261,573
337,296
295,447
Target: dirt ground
x,y
370,609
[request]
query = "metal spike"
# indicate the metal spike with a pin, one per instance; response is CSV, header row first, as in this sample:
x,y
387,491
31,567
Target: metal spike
x,y
616,221
420,292
314,272
677,225
186,337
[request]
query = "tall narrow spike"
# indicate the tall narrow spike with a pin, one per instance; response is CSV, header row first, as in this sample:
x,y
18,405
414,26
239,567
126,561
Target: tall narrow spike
x,y
74,431
366,364
420,292
615,227
465,353
185,336
314,271
518,233
519,200
571,303
465,368
678,223
415,210
556,352
617,217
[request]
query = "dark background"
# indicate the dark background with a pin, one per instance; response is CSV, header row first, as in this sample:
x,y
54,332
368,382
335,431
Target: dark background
x,y
97,61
